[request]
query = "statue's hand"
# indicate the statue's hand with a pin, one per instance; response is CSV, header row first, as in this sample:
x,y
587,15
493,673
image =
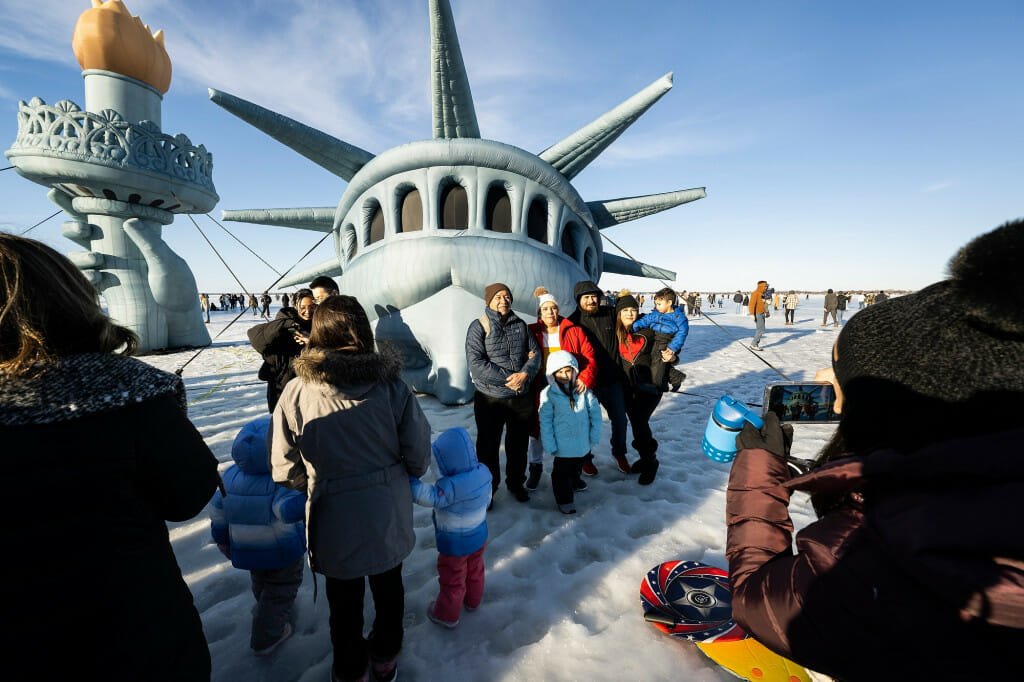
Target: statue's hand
x,y
172,284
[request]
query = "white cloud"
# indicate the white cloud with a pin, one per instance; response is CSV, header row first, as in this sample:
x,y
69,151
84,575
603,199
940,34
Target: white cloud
x,y
938,186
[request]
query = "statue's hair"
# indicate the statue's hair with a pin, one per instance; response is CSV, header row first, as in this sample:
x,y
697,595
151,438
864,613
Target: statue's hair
x,y
48,309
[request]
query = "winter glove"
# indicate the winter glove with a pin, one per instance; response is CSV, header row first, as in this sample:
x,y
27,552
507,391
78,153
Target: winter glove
x,y
777,439
774,437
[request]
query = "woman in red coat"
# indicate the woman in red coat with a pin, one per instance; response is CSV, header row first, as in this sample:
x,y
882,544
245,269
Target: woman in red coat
x,y
915,566
554,332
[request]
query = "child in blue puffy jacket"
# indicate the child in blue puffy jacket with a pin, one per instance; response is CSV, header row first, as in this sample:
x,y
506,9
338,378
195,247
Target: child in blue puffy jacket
x,y
570,426
460,499
670,328
260,527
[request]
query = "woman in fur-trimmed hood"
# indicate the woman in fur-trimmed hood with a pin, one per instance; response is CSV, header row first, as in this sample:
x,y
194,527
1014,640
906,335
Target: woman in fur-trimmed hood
x,y
349,433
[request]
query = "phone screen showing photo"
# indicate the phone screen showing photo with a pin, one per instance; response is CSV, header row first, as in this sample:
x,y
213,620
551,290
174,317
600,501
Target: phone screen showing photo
x,y
806,402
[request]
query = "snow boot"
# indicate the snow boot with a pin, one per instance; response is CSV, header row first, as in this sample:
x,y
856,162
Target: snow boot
x,y
623,463
647,468
434,619
285,634
534,479
384,671
567,508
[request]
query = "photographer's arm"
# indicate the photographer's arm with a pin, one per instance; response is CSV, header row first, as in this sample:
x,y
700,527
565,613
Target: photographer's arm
x,y
758,547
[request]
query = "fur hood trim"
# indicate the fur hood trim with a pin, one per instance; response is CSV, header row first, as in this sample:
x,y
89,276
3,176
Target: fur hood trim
x,y
337,368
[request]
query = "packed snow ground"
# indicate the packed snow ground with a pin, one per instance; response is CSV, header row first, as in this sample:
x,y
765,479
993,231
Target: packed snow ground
x,y
562,592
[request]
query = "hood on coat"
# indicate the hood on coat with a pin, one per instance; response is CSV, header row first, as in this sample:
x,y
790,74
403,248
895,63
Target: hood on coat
x,y
351,370
454,452
250,447
558,360
585,287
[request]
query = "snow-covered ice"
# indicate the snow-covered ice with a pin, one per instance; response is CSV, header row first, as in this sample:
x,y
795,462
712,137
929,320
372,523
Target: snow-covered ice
x,y
562,592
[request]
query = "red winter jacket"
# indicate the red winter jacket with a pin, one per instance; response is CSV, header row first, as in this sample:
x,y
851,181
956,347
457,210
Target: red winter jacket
x,y
919,576
572,338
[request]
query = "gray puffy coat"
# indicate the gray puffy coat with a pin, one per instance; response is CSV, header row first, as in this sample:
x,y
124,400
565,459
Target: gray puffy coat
x,y
349,433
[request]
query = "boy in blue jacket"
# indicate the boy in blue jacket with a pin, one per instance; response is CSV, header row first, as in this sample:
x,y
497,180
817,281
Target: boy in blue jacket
x,y
570,426
260,527
460,499
670,328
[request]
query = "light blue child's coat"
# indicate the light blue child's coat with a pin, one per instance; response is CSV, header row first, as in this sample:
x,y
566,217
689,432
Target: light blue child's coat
x,y
567,431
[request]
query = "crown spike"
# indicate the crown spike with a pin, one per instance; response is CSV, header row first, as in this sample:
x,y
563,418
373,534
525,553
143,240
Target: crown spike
x,y
340,158
617,211
576,152
453,111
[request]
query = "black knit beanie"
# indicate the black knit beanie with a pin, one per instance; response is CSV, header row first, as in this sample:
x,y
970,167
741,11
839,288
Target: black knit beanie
x,y
626,301
924,365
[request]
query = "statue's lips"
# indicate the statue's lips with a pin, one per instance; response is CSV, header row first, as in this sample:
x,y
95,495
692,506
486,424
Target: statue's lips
x,y
471,260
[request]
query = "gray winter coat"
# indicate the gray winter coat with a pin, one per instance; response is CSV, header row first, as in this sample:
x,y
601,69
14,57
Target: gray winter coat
x,y
831,301
349,433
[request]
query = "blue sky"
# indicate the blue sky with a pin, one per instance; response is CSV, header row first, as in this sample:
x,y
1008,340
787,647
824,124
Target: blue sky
x,y
842,144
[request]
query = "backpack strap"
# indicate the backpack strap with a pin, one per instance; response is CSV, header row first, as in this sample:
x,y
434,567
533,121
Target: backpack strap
x,y
485,323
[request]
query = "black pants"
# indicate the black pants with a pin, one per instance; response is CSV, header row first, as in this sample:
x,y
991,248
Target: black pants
x,y
345,597
512,415
663,373
565,471
640,406
791,315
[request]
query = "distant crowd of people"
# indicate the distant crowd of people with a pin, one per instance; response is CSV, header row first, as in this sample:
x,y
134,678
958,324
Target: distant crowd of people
x,y
916,493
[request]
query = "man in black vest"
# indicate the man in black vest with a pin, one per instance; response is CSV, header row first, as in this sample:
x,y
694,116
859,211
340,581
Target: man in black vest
x,y
598,322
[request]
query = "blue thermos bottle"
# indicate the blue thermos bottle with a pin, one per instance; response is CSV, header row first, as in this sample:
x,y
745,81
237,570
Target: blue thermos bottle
x,y
724,424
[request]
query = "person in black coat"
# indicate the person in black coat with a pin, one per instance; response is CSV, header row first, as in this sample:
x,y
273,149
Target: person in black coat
x,y
280,341
598,323
98,454
641,394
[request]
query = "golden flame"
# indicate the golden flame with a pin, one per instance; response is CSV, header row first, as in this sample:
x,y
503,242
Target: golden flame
x,y
108,37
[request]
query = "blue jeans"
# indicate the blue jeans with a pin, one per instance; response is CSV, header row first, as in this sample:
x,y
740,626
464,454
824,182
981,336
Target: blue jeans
x,y
614,403
739,308
840,314
759,323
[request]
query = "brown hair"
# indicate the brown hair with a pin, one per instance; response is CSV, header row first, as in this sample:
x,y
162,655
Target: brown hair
x,y
340,323
48,309
665,294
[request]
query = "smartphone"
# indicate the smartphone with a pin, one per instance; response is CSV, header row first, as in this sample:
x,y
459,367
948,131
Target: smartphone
x,y
801,401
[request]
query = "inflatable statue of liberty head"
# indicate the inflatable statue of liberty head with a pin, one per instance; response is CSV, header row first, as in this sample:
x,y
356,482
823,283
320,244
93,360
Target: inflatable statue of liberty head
x,y
423,228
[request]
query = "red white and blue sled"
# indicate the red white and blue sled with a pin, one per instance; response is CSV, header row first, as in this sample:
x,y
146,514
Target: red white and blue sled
x,y
692,601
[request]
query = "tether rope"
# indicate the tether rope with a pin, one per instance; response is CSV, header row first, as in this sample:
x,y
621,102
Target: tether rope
x,y
40,223
271,286
242,243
